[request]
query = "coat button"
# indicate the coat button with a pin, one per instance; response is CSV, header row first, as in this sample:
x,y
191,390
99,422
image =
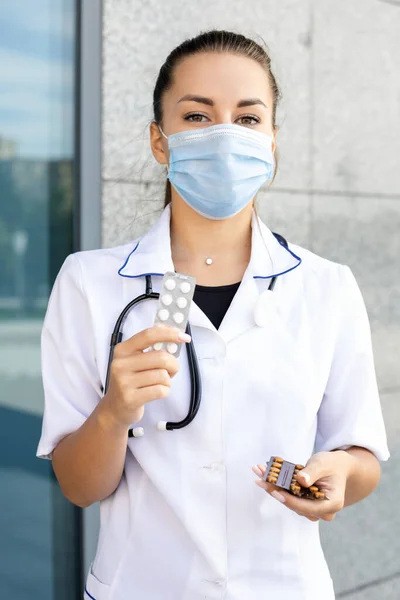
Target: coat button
x,y
215,466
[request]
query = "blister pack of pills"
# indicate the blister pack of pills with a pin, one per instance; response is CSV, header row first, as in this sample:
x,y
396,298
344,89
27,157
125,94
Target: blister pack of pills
x,y
174,306
282,473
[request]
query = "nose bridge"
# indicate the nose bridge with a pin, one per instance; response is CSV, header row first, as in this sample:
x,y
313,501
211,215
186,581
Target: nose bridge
x,y
223,113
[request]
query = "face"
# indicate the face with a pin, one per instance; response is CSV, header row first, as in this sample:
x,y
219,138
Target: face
x,y
211,89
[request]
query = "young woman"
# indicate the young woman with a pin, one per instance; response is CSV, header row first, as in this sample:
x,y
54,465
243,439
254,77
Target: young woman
x,y
286,372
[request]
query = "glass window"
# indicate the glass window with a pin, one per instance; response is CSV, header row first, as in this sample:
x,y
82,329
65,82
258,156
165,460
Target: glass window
x,y
39,541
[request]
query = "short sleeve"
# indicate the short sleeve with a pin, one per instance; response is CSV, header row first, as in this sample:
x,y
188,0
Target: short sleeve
x,y
70,377
350,413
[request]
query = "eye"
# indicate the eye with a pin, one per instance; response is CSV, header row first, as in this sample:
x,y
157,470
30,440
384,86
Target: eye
x,y
248,120
196,118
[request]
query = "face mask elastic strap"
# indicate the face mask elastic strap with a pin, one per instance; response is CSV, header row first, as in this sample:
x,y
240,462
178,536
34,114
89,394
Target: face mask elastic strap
x,y
162,133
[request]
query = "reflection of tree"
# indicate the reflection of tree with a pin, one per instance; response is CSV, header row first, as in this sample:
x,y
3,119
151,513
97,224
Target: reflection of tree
x,y
61,207
36,197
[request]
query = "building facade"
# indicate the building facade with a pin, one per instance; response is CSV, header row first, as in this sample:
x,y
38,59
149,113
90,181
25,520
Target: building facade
x,y
76,173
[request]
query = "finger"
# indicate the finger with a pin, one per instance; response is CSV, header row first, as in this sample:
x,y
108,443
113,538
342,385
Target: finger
x,y
320,509
315,469
259,470
152,392
146,361
149,378
148,337
314,508
157,360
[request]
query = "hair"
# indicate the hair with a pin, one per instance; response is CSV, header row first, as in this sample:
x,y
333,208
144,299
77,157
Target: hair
x,y
212,41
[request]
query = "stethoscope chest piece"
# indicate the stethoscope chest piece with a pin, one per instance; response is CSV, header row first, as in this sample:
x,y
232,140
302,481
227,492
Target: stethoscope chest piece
x,y
265,308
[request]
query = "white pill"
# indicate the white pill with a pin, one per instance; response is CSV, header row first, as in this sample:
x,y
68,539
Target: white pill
x,y
158,346
163,314
172,348
181,302
185,287
170,284
166,299
178,318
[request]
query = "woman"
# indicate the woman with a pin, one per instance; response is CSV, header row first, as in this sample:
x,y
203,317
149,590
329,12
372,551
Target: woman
x,y
288,372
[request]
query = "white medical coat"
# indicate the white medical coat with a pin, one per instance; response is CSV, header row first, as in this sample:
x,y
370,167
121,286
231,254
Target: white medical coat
x,y
288,373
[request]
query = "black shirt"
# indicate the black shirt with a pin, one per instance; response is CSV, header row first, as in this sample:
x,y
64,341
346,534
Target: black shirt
x,y
215,301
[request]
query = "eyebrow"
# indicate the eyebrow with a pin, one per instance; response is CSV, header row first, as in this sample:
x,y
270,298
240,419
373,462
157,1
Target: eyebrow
x,y
209,102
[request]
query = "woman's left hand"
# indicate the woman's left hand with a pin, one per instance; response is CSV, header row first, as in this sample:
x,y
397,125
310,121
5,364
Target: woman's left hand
x,y
329,471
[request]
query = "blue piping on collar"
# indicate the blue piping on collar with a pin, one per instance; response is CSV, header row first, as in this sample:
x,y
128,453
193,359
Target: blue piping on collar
x,y
90,596
287,270
135,276
254,276
126,261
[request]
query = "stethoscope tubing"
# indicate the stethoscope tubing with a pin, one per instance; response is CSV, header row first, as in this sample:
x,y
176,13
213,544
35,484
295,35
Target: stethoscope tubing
x,y
194,370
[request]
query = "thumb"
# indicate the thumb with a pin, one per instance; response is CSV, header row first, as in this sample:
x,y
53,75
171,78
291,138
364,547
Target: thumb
x,y
314,470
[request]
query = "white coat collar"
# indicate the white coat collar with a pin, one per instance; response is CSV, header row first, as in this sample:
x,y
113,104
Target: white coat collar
x,y
151,255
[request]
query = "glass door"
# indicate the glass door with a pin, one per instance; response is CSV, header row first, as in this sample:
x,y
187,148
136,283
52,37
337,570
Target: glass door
x,y
40,556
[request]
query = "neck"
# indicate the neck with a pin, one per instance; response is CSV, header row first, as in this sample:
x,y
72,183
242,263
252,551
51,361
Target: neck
x,y
195,238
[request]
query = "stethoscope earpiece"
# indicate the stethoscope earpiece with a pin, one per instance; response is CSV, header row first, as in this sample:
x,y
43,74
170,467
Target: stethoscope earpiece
x,y
137,432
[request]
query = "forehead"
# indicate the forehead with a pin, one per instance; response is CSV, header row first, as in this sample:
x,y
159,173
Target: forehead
x,y
219,75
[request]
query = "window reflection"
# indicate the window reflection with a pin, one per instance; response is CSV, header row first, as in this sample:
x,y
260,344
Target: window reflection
x,y
37,54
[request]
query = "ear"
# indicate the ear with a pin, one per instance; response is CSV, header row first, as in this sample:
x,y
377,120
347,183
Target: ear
x,y
275,133
159,145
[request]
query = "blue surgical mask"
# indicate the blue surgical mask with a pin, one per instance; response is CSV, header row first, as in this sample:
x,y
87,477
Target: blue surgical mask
x,y
218,170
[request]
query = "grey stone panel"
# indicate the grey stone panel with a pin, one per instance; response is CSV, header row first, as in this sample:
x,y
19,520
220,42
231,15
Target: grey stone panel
x,y
389,590
137,38
129,210
364,234
362,544
356,90
287,214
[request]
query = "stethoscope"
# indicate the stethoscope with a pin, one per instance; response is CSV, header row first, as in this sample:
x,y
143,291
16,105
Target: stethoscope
x,y
194,372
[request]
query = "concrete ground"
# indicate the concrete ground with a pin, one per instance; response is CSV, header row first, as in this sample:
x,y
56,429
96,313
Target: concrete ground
x,y
362,545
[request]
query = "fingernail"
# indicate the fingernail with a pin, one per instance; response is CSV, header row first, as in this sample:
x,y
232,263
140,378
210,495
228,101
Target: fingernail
x,y
278,496
306,477
184,337
257,471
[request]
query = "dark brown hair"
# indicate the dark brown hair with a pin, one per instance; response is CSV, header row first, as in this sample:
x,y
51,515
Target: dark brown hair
x,y
212,41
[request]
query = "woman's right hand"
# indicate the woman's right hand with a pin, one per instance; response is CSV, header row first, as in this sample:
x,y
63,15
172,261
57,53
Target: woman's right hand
x,y
138,377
